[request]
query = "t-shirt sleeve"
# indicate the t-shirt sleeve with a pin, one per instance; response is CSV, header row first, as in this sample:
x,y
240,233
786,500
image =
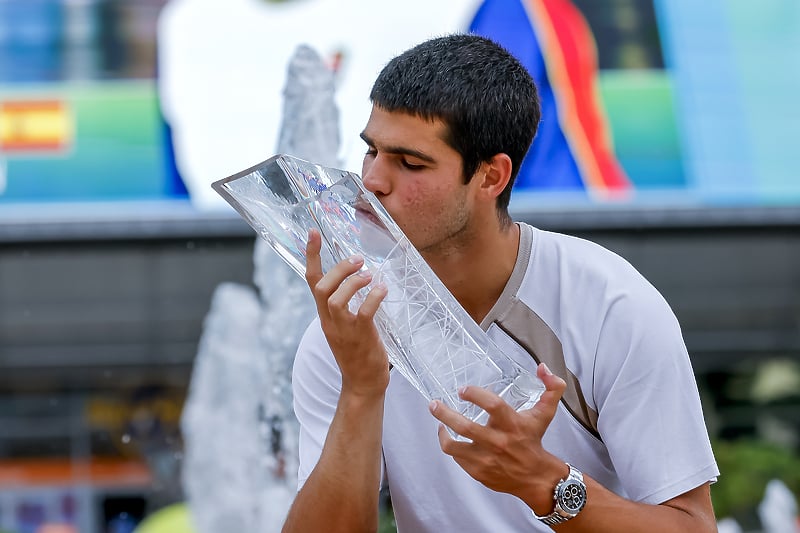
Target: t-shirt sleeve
x,y
650,415
316,384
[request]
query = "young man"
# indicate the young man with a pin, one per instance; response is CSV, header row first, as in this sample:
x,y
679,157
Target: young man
x,y
451,121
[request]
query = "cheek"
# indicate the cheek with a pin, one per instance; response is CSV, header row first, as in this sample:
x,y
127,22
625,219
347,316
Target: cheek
x,y
412,196
415,203
420,204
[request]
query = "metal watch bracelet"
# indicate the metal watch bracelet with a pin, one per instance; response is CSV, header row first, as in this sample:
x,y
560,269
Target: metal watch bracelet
x,y
569,496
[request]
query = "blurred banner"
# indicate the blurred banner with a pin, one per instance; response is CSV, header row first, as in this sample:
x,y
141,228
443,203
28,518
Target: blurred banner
x,y
573,148
735,72
645,101
79,114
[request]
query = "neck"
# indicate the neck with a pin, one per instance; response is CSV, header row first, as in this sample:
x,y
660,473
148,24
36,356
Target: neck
x,y
477,272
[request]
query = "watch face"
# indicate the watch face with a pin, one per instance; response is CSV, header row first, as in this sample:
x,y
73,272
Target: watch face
x,y
572,496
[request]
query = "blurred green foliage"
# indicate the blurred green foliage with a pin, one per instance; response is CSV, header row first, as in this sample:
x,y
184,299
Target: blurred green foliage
x,y
386,523
746,466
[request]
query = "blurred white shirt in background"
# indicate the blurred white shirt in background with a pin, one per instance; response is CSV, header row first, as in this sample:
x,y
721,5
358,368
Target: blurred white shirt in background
x,y
222,69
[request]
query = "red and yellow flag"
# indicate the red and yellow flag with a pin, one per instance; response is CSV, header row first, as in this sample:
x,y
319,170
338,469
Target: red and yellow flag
x,y
35,126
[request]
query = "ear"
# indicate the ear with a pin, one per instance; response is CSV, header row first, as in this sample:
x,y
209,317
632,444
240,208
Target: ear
x,y
496,174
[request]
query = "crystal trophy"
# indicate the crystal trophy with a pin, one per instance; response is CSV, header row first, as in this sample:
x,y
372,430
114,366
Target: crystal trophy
x,y
428,336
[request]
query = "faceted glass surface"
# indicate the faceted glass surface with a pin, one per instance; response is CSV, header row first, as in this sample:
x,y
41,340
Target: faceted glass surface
x,y
428,336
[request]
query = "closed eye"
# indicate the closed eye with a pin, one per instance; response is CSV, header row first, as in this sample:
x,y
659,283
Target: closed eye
x,y
411,166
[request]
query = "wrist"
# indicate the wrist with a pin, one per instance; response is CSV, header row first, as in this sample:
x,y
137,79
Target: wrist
x,y
569,497
540,495
366,385
358,411
360,397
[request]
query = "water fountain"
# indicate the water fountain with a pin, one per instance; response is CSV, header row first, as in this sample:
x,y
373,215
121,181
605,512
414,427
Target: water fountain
x,y
240,433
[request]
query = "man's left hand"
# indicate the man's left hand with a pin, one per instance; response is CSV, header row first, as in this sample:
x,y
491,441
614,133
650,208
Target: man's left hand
x,y
506,454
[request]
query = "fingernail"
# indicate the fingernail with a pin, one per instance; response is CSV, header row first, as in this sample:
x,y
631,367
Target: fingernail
x,y
547,369
462,390
433,406
355,259
381,288
364,274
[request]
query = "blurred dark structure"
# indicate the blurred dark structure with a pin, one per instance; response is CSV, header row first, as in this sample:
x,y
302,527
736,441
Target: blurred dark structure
x,y
99,310
103,305
99,323
628,31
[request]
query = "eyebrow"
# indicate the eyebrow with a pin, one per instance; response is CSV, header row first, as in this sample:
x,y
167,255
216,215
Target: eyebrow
x,y
400,150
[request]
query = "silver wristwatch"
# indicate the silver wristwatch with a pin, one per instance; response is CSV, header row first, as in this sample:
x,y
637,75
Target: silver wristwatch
x,y
570,498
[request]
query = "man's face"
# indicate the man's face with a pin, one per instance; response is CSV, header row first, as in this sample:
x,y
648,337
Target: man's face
x,y
418,178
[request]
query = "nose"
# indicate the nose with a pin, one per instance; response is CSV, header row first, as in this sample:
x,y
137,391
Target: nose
x,y
374,175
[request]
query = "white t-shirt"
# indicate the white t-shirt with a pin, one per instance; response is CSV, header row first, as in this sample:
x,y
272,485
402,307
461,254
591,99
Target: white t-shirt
x,y
621,346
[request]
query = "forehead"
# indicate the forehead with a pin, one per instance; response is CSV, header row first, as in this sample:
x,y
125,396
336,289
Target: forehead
x,y
387,129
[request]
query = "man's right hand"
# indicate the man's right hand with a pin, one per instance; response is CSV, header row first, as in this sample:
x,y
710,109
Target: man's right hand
x,y
352,337
341,493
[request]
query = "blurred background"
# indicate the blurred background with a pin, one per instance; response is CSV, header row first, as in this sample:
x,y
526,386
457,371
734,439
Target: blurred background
x,y
116,115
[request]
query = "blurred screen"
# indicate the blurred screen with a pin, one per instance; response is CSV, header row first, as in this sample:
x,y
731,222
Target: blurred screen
x,y
101,100
79,116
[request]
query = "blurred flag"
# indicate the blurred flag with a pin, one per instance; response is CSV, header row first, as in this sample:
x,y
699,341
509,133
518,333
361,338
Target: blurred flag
x,y
573,148
34,126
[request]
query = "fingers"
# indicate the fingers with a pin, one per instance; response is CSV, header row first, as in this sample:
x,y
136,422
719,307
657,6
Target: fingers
x,y
500,413
447,443
313,259
450,418
340,299
334,290
344,280
373,300
497,408
554,388
457,422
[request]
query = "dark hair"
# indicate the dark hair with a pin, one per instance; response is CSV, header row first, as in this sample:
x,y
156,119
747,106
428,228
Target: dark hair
x,y
483,95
